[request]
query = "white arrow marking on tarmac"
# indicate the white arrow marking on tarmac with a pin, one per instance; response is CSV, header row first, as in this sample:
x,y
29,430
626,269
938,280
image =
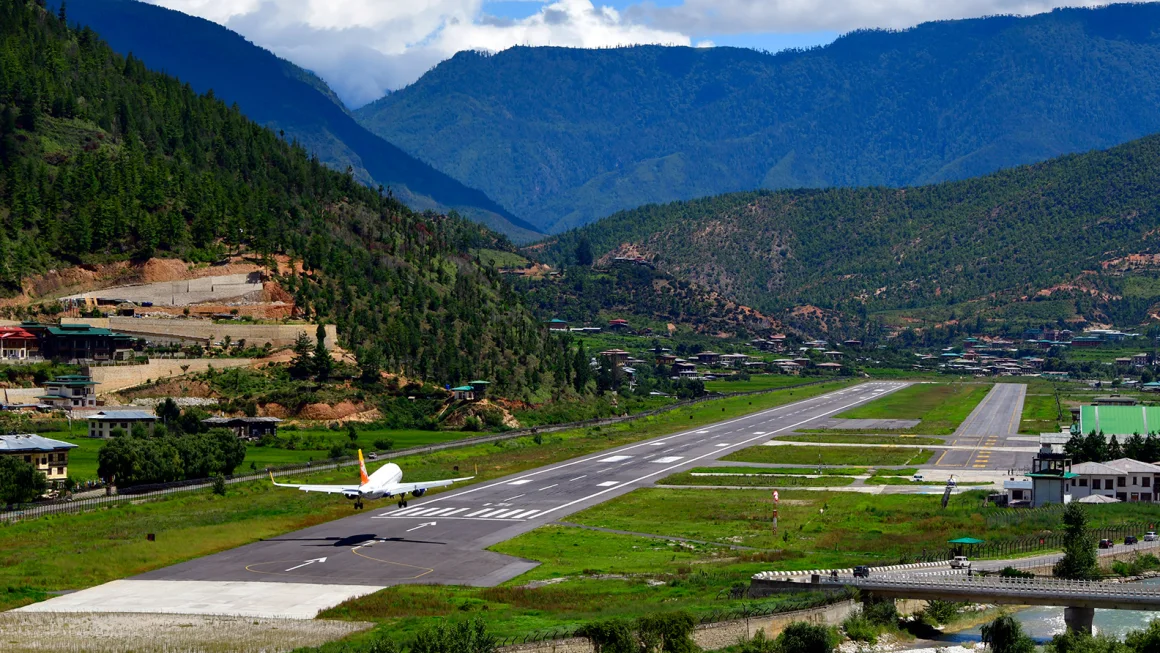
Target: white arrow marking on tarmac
x,y
308,562
430,523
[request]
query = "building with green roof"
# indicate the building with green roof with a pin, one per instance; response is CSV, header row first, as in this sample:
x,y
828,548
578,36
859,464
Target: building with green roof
x,y
81,342
1120,421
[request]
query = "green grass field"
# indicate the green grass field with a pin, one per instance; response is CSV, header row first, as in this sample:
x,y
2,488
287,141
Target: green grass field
x,y
807,455
755,382
853,438
833,471
941,407
734,479
81,550
1039,414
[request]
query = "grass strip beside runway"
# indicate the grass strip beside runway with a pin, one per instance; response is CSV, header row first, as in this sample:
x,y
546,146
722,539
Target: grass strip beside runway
x,y
942,407
809,455
838,438
733,479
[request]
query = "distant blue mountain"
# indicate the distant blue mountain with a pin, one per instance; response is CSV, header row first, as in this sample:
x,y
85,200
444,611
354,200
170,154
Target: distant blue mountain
x,y
565,136
284,97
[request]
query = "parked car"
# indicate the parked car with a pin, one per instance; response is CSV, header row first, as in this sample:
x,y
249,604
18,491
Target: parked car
x,y
1150,536
960,562
861,571
1130,539
1106,544
917,478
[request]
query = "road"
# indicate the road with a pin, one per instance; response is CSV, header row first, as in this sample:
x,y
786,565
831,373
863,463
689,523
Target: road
x,y
442,539
982,438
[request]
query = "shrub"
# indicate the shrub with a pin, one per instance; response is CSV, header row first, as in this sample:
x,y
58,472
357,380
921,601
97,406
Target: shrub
x,y
759,643
1011,572
669,632
610,636
336,451
941,612
472,424
1005,635
881,612
384,444
219,485
858,628
804,637
464,637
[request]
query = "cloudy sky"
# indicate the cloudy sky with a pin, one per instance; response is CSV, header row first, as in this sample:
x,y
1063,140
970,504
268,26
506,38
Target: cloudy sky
x,y
364,48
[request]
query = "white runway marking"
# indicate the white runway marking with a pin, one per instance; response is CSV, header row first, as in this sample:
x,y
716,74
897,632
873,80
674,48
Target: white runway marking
x,y
667,459
723,444
577,478
608,483
613,459
515,497
548,487
520,482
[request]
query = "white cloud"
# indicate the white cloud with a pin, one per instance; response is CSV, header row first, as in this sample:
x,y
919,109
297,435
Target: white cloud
x,y
791,16
363,48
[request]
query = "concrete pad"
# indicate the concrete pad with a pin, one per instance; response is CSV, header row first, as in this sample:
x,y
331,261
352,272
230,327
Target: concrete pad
x,y
232,598
867,424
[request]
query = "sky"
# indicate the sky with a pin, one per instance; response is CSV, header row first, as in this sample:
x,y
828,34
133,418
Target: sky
x,y
367,48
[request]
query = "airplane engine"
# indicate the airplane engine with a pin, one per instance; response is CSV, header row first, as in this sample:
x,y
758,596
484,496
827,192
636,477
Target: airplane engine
x,y
351,495
420,492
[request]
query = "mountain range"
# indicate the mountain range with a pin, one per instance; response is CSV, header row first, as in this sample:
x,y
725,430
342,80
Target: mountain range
x,y
286,98
1073,237
562,137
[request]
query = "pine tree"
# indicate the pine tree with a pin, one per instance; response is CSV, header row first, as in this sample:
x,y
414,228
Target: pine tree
x,y
1080,560
323,364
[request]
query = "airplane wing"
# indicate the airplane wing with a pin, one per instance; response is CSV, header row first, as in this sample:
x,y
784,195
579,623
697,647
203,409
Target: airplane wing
x,y
332,489
400,488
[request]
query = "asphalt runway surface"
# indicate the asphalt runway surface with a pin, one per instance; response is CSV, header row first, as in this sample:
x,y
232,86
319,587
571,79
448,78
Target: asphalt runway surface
x,y
442,539
982,440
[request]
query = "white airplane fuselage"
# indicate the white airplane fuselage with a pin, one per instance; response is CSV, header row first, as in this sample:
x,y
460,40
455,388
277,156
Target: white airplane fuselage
x,y
382,484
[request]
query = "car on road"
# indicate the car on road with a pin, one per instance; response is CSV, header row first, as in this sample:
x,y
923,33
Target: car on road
x,y
1150,536
861,571
960,562
1130,539
917,478
952,482
1106,544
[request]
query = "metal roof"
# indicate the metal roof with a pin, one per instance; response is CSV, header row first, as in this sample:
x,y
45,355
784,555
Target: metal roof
x,y
246,420
114,415
31,442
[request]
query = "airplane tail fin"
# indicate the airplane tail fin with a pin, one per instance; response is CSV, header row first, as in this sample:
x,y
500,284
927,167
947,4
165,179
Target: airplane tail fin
x,y
362,469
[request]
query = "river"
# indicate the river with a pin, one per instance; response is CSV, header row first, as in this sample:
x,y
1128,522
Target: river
x,y
1042,623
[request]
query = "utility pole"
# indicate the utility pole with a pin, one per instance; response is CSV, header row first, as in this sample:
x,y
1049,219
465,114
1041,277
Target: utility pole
x,y
775,502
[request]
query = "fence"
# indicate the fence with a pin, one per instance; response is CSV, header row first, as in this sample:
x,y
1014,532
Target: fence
x,y
141,492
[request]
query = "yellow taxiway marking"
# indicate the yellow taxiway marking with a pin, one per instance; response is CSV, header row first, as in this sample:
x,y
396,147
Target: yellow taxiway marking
x,y
939,461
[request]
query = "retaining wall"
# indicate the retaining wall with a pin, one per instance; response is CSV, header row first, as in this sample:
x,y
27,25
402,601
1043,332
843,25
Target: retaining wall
x,y
278,335
117,378
716,635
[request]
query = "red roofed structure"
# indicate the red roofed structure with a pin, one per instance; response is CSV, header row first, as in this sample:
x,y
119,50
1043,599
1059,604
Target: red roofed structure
x,y
17,344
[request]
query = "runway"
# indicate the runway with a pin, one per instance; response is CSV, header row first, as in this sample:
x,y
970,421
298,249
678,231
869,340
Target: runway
x,y
442,539
981,441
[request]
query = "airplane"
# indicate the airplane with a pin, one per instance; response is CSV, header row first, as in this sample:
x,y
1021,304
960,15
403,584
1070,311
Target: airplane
x,y
385,482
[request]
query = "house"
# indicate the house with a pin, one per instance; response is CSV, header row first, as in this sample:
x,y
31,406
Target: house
x,y
1139,360
45,454
708,357
777,342
70,391
17,344
479,387
80,342
463,393
618,324
831,367
556,324
684,369
1086,341
734,360
852,343
832,355
615,356
666,359
1123,479
102,424
246,428
788,367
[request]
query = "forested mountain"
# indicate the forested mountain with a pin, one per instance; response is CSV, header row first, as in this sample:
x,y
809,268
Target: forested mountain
x,y
1077,235
565,136
102,159
284,97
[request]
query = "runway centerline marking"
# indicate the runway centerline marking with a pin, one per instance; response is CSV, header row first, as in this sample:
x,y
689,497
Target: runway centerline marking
x,y
547,488
515,497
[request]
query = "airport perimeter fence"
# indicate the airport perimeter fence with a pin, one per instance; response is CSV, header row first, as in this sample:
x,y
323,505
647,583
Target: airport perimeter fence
x,y
142,492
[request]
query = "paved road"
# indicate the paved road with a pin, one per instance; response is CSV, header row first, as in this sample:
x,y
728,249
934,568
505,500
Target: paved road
x,y
441,539
983,436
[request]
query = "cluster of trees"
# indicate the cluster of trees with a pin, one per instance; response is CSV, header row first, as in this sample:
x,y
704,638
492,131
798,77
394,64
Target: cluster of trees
x,y
1095,447
20,482
102,159
571,135
860,251
162,458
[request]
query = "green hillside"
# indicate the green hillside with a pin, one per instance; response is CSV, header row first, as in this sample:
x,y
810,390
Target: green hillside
x,y
1036,243
104,160
564,136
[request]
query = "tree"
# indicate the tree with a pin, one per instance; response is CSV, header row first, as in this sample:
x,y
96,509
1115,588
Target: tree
x,y
581,369
1074,641
1005,635
1144,641
323,364
1115,452
168,411
301,365
1080,560
584,252
370,363
20,482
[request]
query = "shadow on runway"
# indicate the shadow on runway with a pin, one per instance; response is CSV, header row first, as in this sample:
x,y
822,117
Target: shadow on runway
x,y
350,540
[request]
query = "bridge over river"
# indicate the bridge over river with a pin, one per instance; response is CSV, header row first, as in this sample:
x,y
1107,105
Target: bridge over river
x,y
1080,598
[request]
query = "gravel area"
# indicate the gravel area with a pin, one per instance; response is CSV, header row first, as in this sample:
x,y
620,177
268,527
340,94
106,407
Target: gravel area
x,y
163,633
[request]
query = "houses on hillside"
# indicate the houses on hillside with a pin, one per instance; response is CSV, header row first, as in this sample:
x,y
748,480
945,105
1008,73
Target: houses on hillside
x,y
48,456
